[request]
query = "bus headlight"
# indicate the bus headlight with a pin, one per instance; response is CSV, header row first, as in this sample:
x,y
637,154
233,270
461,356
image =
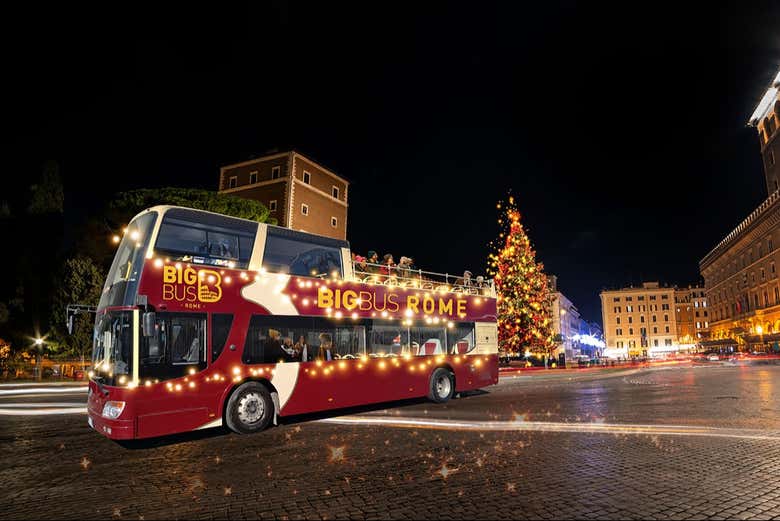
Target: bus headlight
x,y
113,409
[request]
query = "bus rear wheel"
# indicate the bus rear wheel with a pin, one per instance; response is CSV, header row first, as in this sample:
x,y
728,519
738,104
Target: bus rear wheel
x,y
442,385
249,409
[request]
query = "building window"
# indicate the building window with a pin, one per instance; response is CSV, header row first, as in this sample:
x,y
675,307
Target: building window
x,y
664,297
666,329
771,247
276,172
616,299
334,222
631,331
655,343
252,177
642,319
652,297
272,205
335,192
233,181
630,320
629,309
305,209
618,331
654,318
665,307
777,296
668,342
766,299
698,325
306,177
755,301
772,268
617,320
640,297
629,299
666,318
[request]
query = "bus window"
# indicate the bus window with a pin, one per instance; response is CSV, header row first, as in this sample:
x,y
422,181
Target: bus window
x,y
205,238
460,338
427,340
389,339
220,329
271,338
301,254
177,346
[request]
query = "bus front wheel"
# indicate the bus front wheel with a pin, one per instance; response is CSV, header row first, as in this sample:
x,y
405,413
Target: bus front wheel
x,y
249,409
442,385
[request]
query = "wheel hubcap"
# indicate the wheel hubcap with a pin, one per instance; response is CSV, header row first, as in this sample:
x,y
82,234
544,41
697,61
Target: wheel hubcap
x,y
443,386
251,408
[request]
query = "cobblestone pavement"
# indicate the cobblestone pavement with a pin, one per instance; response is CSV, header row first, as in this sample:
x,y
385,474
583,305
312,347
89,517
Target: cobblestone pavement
x,y
56,467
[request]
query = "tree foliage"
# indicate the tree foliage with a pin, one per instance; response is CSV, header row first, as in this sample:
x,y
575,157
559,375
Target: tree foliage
x,y
521,284
80,282
48,196
128,204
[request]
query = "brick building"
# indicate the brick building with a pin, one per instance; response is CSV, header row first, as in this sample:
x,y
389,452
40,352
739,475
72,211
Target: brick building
x,y
300,193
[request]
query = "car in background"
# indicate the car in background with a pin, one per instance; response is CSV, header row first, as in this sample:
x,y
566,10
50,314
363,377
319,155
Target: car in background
x,y
713,358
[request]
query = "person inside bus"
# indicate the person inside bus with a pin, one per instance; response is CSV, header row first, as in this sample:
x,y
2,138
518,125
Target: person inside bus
x,y
302,350
325,352
273,348
287,347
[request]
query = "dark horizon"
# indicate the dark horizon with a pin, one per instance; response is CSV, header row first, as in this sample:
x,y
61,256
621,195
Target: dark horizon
x,y
622,135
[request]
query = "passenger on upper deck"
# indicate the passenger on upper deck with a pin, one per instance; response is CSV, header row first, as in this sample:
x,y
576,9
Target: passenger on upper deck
x,y
388,267
405,268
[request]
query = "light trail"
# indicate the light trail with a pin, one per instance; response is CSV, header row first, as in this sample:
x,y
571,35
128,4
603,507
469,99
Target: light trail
x,y
591,428
42,411
43,390
29,405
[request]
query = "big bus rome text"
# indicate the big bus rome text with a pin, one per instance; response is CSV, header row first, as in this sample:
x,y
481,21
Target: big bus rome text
x,y
208,320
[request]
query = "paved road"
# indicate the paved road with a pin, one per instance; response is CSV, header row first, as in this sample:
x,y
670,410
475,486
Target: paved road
x,y
678,443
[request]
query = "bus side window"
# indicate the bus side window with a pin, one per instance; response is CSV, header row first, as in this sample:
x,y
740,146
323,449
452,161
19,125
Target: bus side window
x,y
220,329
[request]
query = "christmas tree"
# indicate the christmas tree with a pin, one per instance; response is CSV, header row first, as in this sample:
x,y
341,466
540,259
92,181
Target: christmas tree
x,y
521,285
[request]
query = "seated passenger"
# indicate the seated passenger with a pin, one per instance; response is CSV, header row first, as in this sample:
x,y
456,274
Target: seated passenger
x,y
405,268
193,354
273,348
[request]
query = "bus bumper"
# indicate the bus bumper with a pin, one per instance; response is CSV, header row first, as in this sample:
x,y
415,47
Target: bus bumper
x,y
114,429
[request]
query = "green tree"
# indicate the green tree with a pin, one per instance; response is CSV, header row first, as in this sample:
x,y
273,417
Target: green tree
x,y
80,281
48,196
128,204
523,298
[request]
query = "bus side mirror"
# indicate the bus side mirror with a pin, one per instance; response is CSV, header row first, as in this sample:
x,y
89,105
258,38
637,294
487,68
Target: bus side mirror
x,y
149,323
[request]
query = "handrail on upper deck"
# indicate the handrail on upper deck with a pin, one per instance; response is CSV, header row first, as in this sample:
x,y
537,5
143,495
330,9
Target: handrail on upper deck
x,y
416,278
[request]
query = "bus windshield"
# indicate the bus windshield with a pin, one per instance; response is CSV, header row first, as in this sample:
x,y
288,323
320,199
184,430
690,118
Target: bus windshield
x,y
122,281
112,348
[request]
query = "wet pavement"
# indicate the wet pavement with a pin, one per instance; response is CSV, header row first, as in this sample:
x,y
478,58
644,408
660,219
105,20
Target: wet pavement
x,y
670,443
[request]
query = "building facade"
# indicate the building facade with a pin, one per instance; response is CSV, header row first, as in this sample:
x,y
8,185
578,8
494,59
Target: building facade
x,y
692,316
640,321
300,193
740,273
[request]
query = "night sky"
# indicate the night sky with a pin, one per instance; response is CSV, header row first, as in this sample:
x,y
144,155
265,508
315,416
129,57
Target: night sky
x,y
619,128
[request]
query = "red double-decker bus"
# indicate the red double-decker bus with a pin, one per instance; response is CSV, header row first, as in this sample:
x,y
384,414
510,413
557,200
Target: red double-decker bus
x,y
208,320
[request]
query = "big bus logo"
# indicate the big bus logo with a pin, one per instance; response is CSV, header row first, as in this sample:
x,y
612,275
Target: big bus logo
x,y
189,285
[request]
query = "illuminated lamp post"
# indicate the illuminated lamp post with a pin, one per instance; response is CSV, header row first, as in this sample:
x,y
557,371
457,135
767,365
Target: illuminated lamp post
x,y
38,357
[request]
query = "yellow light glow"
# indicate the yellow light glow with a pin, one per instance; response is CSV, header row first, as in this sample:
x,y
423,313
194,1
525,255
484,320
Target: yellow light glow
x,y
148,383
158,263
382,364
236,370
178,387
115,238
